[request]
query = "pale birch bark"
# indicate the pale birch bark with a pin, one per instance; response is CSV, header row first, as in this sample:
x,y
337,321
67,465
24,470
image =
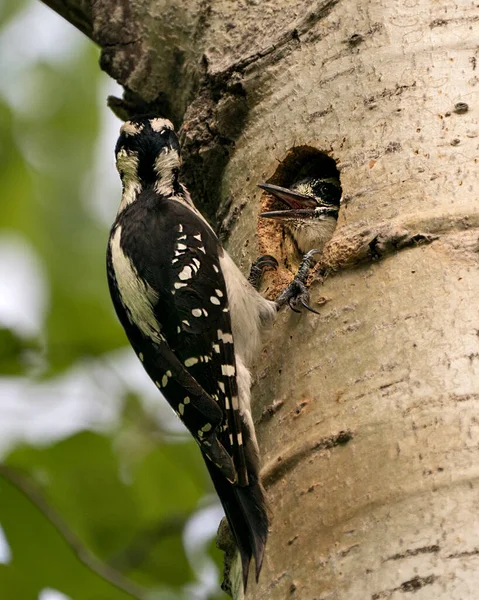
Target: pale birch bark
x,y
367,414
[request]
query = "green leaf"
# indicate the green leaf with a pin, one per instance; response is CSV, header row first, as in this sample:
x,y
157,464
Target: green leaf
x,y
16,353
40,556
170,480
126,493
124,522
43,166
9,8
80,477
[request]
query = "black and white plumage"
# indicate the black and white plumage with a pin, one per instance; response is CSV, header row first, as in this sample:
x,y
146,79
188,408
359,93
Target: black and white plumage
x,y
312,210
192,318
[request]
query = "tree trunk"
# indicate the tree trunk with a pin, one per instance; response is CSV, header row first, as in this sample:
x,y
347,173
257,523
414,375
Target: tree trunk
x,y
367,413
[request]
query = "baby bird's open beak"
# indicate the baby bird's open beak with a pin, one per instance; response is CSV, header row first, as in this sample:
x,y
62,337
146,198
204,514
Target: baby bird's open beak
x,y
301,206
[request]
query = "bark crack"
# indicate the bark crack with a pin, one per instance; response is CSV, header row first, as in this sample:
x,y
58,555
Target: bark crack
x,y
453,21
320,11
121,44
286,462
270,411
466,553
424,550
412,585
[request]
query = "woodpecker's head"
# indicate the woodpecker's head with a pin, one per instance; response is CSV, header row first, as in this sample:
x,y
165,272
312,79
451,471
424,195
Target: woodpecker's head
x,y
311,212
148,153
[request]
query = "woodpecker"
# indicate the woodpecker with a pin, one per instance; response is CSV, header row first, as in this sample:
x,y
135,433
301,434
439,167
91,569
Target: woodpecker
x,y
313,210
193,319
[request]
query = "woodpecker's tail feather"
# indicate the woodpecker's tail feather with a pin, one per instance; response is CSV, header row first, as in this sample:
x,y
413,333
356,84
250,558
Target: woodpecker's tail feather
x,y
245,509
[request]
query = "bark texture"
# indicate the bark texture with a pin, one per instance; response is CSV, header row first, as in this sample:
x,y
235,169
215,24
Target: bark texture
x,y
367,414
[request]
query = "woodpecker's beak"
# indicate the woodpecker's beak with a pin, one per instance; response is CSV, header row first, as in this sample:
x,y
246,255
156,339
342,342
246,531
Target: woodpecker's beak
x,y
300,205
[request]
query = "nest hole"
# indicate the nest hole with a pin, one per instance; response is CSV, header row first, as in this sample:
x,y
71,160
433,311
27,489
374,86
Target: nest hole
x,y
300,163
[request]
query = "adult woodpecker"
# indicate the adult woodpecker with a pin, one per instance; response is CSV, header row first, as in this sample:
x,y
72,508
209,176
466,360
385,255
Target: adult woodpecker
x,y
192,318
312,213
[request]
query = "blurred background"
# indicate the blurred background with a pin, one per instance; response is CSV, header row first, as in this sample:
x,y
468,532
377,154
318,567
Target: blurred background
x,y
102,495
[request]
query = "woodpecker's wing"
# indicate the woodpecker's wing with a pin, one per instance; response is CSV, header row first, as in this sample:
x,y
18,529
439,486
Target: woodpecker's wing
x,y
176,254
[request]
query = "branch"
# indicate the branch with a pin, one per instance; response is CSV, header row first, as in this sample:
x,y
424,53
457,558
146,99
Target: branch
x,y
134,554
369,244
35,497
76,12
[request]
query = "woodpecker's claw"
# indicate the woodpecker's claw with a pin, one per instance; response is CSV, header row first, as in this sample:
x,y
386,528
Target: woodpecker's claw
x,y
266,261
292,307
258,268
306,264
309,307
297,292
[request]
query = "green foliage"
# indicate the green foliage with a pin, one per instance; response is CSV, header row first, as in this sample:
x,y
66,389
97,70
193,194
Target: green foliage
x,y
9,9
134,525
43,170
41,558
15,352
117,500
